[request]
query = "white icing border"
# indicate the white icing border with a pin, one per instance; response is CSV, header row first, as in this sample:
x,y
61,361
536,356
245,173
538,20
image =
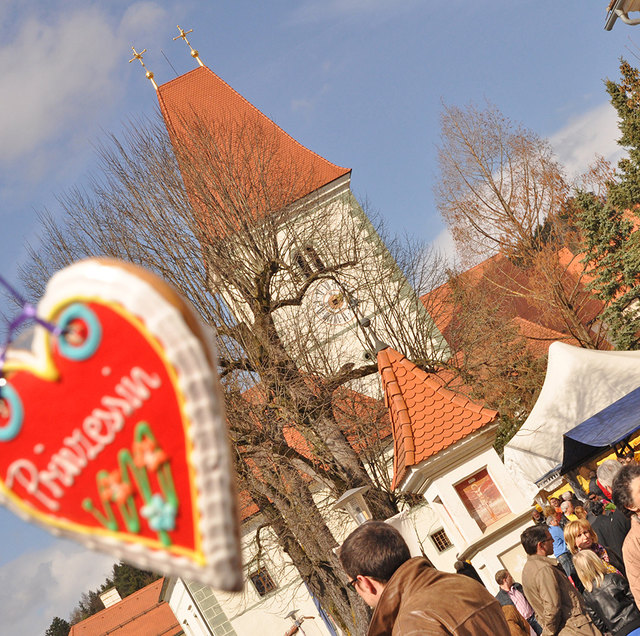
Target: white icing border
x,y
204,407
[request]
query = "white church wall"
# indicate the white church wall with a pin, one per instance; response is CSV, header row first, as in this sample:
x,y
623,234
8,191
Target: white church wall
x,y
417,525
248,611
505,552
443,489
187,610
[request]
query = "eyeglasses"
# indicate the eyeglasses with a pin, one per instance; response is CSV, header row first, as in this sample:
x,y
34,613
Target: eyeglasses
x,y
352,584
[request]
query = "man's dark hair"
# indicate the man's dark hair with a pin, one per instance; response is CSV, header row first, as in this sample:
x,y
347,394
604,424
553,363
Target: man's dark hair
x,y
374,549
501,575
532,536
621,489
594,507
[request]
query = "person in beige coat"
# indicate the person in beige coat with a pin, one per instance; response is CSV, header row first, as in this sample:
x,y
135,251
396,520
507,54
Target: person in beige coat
x,y
558,605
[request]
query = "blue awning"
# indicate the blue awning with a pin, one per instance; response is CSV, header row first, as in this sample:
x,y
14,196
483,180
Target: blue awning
x,y
601,431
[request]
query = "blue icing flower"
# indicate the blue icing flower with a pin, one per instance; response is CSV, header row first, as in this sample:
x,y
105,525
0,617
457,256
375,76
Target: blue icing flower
x,y
160,514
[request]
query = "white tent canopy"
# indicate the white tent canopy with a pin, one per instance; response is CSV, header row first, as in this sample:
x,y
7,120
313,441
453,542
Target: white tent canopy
x,y
579,383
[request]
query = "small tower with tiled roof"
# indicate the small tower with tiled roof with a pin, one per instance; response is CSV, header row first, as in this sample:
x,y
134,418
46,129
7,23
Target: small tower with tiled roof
x,y
443,450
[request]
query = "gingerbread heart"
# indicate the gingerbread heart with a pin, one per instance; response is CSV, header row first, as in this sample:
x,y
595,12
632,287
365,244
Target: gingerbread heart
x,y
113,433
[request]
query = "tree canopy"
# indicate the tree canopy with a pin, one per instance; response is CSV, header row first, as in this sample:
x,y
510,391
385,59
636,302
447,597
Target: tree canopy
x,y
609,221
302,431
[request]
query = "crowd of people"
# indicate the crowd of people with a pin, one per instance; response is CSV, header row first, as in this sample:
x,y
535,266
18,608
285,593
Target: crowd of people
x,y
591,587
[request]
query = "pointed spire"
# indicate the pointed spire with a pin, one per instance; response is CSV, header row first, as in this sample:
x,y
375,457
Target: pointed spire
x,y
148,74
199,102
183,36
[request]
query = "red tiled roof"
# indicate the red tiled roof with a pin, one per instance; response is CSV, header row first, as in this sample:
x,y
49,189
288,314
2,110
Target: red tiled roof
x,y
506,286
539,338
139,613
350,410
200,102
426,417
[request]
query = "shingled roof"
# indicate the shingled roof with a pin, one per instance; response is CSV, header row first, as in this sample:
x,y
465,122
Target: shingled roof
x,y
426,417
505,287
200,103
139,613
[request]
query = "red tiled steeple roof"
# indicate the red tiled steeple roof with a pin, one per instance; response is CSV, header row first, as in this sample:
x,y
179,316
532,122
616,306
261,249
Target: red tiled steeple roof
x,y
426,417
139,613
200,100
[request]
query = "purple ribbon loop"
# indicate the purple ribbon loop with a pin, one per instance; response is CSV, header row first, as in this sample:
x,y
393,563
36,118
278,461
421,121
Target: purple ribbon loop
x,y
27,313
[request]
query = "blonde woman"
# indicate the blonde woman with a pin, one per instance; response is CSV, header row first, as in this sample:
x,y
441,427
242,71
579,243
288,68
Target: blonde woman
x,y
607,596
579,536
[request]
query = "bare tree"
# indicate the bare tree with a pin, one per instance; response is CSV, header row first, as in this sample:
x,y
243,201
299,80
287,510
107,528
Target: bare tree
x,y
502,192
228,222
499,182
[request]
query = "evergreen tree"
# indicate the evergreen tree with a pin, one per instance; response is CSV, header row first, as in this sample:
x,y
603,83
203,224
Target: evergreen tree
x,y
609,224
128,579
58,627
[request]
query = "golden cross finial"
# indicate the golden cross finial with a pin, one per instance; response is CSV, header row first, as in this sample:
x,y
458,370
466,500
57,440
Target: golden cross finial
x,y
183,36
138,56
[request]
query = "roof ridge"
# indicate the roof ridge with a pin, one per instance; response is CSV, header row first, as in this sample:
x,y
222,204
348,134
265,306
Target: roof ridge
x,y
401,427
205,69
127,599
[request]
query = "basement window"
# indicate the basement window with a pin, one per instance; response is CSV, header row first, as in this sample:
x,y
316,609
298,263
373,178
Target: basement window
x,y
262,581
441,540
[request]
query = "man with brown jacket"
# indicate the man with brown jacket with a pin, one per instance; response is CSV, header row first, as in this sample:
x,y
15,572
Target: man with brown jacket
x,y
558,605
408,595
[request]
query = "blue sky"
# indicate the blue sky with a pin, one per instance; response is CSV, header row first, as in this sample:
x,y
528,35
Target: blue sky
x,y
361,82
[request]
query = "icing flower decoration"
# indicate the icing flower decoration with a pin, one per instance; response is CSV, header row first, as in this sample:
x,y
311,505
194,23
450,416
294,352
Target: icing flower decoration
x,y
111,487
160,514
147,453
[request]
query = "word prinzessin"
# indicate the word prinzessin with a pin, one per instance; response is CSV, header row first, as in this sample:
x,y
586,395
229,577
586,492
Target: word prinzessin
x,y
86,443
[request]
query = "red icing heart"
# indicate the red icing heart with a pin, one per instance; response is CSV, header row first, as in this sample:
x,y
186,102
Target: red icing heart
x,y
96,439
109,398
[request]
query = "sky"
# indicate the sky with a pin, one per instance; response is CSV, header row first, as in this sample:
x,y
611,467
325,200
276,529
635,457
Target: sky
x,y
361,82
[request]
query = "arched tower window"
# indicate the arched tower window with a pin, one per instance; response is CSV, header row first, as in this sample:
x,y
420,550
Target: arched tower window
x,y
307,261
313,258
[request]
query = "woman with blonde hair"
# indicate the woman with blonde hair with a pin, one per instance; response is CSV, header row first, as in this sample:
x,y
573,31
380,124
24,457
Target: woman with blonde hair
x,y
580,512
607,596
579,536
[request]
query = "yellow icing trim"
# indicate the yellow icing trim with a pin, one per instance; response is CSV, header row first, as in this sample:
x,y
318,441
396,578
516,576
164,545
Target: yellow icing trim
x,y
50,373
129,538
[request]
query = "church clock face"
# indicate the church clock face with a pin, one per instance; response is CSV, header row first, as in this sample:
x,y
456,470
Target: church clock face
x,y
332,304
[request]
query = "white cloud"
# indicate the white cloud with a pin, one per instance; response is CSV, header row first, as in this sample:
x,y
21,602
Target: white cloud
x,y
141,18
45,583
444,246
59,76
585,136
61,70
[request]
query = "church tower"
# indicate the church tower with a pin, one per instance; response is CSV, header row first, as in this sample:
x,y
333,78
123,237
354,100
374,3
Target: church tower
x,y
268,205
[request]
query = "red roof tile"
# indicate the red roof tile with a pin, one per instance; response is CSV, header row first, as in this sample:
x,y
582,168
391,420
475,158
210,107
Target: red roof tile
x,y
200,103
425,416
139,613
507,286
350,410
